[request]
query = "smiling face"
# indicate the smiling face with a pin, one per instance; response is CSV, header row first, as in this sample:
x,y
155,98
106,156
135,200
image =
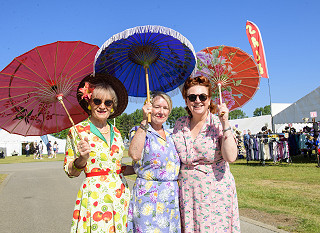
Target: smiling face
x,y
101,112
198,107
160,111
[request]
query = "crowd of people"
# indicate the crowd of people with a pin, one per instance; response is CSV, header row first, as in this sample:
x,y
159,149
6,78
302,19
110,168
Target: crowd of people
x,y
36,148
183,184
279,147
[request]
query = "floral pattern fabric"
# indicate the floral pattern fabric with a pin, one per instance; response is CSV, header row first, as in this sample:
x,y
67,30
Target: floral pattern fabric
x,y
208,197
102,201
154,205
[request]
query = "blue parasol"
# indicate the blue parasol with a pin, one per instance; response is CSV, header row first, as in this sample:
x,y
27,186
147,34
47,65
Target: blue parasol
x,y
144,53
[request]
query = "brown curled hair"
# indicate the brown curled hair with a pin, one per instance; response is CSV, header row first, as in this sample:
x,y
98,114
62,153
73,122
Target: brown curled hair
x,y
198,81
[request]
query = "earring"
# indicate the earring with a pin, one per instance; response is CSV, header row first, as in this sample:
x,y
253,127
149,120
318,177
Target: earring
x,y
89,107
111,110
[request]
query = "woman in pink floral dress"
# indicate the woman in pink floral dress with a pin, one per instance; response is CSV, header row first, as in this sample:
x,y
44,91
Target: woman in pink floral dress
x,y
206,145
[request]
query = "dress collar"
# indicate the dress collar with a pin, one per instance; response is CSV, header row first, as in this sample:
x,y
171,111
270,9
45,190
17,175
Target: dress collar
x,y
96,132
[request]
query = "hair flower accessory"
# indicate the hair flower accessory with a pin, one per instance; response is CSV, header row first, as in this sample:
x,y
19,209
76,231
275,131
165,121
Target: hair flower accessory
x,y
86,91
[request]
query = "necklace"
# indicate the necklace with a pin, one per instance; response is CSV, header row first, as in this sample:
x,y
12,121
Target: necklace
x,y
105,132
102,132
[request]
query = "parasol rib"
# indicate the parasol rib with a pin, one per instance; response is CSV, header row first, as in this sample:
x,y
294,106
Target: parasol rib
x,y
135,70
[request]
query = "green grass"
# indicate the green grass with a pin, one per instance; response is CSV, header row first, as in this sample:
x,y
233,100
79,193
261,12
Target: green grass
x,y
291,190
125,154
2,177
287,189
24,159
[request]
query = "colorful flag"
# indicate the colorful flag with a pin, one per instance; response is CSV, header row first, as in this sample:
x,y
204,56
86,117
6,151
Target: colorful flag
x,y
256,43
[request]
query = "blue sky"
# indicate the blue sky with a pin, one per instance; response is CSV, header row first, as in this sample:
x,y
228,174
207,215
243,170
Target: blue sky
x,y
290,32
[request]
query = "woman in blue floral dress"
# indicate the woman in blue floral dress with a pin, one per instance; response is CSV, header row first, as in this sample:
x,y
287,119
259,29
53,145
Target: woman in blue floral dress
x,y
154,205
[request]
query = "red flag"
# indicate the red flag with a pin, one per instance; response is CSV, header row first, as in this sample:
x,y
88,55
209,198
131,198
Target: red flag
x,y
256,43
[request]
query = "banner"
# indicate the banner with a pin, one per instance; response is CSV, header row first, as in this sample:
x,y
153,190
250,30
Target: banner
x,y
45,139
256,43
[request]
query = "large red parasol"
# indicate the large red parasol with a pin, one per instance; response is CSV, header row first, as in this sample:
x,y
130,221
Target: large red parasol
x,y
31,83
233,70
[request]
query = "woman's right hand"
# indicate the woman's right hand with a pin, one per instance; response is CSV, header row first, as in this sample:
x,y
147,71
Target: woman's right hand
x,y
84,148
146,109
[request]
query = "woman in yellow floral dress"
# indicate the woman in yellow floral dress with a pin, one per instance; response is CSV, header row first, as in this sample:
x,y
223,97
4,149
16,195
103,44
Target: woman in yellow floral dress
x,y
103,198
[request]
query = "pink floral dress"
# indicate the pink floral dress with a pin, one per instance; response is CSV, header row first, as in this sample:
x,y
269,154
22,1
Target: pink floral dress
x,y
208,197
103,200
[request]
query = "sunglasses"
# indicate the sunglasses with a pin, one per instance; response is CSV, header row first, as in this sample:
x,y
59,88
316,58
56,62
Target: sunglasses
x,y
107,103
193,97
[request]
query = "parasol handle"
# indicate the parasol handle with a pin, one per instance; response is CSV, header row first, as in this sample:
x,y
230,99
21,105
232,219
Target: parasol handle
x,y
148,90
220,97
59,97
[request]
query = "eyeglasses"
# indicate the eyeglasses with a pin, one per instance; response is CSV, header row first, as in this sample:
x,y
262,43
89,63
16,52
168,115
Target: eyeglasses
x,y
193,97
107,103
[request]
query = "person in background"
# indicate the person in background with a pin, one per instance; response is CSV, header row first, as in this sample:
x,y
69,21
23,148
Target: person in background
x,y
96,148
27,148
36,152
49,149
40,150
154,205
55,149
206,146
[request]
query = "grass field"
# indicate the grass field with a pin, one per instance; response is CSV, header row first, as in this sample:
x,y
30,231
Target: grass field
x,y
24,159
287,192
2,177
284,195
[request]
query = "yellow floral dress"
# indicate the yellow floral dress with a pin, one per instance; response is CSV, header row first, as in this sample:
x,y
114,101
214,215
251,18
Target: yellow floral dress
x,y
102,201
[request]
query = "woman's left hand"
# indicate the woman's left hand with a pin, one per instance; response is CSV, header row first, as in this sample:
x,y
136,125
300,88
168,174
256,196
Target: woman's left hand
x,y
223,113
84,148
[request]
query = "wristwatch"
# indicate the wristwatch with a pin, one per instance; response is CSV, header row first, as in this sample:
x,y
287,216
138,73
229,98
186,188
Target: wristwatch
x,y
144,127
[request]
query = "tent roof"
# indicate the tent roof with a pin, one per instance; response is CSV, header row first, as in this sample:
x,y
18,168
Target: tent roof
x,y
7,137
300,109
254,124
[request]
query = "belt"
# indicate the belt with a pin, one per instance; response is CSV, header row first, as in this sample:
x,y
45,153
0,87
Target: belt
x,y
205,168
139,177
101,173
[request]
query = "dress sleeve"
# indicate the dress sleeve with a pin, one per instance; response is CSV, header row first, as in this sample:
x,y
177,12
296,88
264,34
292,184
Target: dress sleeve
x,y
71,151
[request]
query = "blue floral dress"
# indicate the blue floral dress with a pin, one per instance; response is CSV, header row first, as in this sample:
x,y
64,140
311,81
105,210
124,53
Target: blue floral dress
x,y
154,205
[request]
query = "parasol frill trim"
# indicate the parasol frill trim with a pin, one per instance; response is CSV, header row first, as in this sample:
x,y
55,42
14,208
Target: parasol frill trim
x,y
145,29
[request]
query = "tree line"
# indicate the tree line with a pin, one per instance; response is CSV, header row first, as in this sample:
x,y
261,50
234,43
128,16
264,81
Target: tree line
x,y
125,122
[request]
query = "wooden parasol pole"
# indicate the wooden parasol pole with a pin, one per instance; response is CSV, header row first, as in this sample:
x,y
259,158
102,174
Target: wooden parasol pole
x,y
220,96
148,90
59,97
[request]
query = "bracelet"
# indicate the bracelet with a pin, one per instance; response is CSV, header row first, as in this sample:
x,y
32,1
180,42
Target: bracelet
x,y
123,168
144,127
225,130
77,168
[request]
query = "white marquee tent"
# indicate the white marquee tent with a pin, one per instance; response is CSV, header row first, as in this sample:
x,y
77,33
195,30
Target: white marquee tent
x,y
13,142
300,109
256,123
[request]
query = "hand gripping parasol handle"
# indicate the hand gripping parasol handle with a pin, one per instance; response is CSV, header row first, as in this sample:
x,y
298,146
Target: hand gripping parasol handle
x,y
59,97
148,90
220,97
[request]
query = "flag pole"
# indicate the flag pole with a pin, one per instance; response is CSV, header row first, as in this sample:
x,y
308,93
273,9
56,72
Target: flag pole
x,y
272,125
255,40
